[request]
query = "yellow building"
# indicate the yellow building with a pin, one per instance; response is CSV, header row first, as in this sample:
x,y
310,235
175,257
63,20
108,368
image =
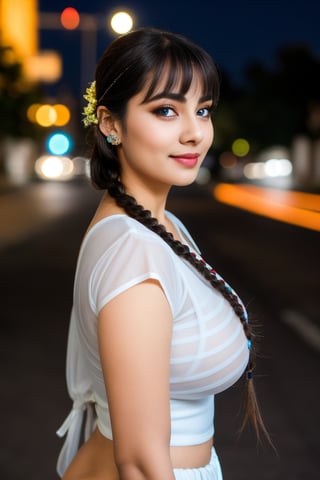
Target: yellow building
x,y
19,26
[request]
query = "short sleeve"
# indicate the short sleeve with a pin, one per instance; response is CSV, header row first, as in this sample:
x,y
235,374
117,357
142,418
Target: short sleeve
x,y
135,256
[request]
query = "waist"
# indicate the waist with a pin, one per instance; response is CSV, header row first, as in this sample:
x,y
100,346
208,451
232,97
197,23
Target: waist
x,y
191,456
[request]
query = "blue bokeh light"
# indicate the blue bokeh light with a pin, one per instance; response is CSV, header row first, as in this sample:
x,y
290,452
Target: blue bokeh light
x,y
59,143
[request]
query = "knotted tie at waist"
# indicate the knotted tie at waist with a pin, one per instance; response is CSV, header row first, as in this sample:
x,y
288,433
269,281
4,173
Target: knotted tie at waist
x,y
72,427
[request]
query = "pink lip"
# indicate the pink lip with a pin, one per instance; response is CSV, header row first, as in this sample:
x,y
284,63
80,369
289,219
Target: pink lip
x,y
186,159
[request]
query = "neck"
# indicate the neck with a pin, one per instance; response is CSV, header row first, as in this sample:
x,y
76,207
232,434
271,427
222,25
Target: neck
x,y
153,199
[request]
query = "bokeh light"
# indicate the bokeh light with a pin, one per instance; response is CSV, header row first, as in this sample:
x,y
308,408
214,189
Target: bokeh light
x,y
59,143
240,147
254,170
121,22
274,167
70,18
49,115
45,67
63,115
46,115
228,160
54,168
32,111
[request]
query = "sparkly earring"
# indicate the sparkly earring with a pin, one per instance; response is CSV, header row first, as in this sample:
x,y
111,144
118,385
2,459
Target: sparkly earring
x,y
113,139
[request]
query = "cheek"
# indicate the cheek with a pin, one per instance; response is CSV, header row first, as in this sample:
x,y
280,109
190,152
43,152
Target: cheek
x,y
210,135
153,137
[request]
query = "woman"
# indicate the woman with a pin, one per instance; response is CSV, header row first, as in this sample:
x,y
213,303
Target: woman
x,y
155,332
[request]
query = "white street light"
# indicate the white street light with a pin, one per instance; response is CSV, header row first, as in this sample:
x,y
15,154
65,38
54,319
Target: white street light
x,y
121,22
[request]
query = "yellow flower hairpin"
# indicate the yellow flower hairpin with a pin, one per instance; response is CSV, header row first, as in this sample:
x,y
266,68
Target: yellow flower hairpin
x,y
89,112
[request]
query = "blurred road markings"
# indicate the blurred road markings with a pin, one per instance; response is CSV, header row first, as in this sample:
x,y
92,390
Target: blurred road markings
x,y
304,327
296,208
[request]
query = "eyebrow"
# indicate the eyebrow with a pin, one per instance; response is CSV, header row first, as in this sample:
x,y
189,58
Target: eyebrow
x,y
179,97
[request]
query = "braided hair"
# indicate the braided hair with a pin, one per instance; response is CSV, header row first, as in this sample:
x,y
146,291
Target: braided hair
x,y
122,73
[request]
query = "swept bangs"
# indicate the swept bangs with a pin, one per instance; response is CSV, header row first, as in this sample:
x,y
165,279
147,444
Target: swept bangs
x,y
154,59
181,66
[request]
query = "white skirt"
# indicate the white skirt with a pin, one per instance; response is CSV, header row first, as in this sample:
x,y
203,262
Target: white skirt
x,y
212,471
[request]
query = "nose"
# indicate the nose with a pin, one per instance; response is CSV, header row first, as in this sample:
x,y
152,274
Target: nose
x,y
192,130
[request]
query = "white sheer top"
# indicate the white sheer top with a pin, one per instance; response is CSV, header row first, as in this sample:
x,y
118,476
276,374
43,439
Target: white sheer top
x,y
209,349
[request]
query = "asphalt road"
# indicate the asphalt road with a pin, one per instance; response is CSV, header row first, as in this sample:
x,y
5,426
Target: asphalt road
x,y
273,266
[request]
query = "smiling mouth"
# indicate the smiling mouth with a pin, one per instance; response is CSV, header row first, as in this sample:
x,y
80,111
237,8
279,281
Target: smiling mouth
x,y
187,159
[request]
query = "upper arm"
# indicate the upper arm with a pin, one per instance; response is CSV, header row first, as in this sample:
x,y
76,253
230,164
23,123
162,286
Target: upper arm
x,y
135,331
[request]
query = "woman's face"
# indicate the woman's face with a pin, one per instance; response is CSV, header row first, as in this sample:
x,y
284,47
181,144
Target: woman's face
x,y
165,138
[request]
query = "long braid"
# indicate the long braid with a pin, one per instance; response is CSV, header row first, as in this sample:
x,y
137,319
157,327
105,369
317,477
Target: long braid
x,y
117,190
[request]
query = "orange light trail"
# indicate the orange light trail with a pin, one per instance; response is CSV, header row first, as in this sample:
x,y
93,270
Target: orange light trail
x,y
296,208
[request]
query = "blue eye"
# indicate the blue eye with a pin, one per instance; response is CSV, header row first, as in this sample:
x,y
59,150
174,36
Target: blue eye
x,y
165,111
204,112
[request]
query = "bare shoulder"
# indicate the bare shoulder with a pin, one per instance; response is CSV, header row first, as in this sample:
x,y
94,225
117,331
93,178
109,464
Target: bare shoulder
x,y
106,208
144,303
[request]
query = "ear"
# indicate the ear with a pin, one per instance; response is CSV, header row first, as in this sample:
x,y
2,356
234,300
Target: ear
x,y
106,122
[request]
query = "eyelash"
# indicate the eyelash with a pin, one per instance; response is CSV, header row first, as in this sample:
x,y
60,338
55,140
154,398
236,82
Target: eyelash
x,y
159,111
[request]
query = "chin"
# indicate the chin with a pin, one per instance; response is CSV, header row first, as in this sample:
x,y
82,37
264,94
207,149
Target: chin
x,y
187,180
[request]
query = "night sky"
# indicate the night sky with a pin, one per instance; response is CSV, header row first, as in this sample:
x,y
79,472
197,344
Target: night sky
x,y
234,32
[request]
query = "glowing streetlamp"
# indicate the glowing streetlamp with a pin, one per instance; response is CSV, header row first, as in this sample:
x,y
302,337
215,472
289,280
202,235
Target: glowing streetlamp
x,y
121,22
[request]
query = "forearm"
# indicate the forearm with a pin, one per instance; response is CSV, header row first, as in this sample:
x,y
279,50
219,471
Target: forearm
x,y
137,472
150,464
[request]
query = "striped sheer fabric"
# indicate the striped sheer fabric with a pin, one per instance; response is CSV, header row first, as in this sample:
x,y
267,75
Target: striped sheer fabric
x,y
209,348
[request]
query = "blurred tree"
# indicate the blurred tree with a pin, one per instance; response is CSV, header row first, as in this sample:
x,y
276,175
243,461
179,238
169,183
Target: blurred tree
x,y
225,120
275,104
298,82
16,95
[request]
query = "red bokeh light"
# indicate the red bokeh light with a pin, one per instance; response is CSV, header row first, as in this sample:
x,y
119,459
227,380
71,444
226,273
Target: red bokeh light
x,y
70,18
